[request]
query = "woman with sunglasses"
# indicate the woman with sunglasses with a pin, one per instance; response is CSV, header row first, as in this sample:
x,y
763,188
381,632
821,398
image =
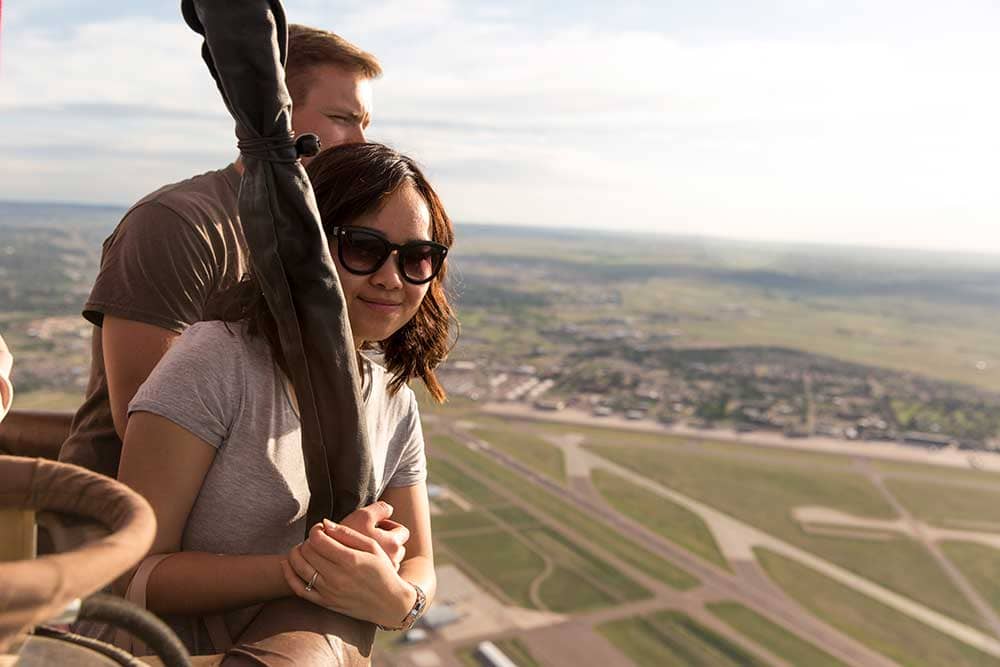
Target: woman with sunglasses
x,y
213,437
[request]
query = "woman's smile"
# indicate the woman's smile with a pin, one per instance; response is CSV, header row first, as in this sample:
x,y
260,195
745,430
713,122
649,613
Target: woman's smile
x,y
380,305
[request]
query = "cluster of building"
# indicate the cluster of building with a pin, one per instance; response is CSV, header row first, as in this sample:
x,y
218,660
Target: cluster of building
x,y
745,388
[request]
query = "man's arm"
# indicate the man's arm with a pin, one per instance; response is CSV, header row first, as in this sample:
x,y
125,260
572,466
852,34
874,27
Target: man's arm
x,y
131,351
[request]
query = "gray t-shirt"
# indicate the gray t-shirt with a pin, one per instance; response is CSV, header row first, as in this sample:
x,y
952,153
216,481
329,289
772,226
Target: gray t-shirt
x,y
223,386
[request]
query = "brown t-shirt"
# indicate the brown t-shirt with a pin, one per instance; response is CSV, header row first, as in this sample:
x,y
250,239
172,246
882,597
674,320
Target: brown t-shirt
x,y
170,255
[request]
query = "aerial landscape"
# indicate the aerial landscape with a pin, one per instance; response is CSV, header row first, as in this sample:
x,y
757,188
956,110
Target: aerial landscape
x,y
667,450
724,384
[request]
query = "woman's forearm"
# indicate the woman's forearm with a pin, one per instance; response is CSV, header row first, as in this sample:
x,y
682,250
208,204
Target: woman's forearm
x,y
191,582
419,570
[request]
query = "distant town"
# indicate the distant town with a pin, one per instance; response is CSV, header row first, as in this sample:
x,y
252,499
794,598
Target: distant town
x,y
613,371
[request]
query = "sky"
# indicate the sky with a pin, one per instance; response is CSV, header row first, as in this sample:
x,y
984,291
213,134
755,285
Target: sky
x,y
843,121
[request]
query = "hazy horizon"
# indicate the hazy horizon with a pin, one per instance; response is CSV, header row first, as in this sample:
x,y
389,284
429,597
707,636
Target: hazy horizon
x,y
792,245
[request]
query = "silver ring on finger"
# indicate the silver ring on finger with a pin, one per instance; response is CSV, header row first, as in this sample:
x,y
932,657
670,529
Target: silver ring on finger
x,y
312,582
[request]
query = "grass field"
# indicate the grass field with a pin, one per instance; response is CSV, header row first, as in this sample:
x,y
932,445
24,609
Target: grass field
x,y
676,523
500,558
459,520
981,566
565,591
948,505
764,494
882,628
510,551
595,530
511,566
443,472
564,551
870,334
515,516
940,474
670,638
772,636
533,451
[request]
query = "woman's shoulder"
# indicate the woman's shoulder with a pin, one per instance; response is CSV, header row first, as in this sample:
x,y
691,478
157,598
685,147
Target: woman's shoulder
x,y
213,343
224,333
402,401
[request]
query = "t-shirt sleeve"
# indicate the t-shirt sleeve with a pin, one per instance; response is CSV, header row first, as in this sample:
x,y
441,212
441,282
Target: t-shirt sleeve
x,y
155,269
198,384
412,468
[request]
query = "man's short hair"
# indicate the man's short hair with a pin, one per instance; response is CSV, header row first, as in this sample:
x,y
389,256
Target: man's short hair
x,y
309,48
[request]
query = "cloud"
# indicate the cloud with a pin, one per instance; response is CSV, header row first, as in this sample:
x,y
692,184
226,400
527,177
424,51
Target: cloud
x,y
560,121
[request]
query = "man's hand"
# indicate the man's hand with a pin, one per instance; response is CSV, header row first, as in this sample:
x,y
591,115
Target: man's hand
x,y
374,522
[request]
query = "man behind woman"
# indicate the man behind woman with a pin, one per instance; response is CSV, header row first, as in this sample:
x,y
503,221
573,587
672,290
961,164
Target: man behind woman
x,y
214,441
212,438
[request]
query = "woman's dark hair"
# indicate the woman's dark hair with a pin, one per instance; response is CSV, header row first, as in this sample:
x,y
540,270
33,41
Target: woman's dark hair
x,y
349,182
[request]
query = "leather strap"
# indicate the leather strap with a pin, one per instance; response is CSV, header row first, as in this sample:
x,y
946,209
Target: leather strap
x,y
136,594
215,624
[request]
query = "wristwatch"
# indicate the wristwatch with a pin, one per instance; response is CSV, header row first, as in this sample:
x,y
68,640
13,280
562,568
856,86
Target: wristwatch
x,y
415,611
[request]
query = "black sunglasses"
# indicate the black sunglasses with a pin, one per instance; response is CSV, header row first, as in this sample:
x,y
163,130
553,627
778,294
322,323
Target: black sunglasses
x,y
363,251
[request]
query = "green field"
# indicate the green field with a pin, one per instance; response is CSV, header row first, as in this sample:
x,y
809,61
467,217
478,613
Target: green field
x,y
595,530
937,473
507,549
670,638
764,493
502,560
672,521
443,472
515,516
882,628
564,551
772,636
949,506
981,566
539,455
457,521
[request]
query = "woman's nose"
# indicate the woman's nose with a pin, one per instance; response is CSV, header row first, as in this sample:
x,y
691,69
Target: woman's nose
x,y
388,275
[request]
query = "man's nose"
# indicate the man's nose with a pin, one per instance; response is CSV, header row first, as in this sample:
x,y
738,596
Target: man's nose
x,y
356,135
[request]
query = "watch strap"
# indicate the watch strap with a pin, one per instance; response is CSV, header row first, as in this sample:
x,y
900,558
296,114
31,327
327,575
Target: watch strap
x,y
416,611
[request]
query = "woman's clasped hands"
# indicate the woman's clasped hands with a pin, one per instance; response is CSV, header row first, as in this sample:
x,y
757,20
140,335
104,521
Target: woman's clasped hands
x,y
352,567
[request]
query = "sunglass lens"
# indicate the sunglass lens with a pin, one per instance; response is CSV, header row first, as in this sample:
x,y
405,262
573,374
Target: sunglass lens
x,y
421,262
361,251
